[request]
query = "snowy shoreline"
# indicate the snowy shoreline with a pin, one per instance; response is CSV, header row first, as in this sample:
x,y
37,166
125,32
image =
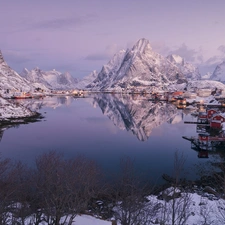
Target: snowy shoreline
x,y
12,113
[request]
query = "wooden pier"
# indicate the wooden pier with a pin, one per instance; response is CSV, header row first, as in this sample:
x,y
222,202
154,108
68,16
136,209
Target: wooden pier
x,y
195,122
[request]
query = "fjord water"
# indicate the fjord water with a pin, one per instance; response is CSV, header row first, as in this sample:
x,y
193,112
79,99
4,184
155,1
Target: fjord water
x,y
106,128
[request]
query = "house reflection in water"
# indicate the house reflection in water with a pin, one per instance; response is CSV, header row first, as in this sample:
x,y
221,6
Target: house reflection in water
x,y
211,135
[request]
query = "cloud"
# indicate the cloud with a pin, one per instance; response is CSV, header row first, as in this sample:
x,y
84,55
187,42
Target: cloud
x,y
214,60
191,55
16,57
160,47
108,53
185,52
62,23
112,49
210,64
57,23
218,58
97,57
221,48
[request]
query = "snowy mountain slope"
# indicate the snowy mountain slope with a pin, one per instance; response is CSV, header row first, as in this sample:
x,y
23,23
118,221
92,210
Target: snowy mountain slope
x,y
11,110
136,115
219,73
204,84
190,71
28,107
66,79
11,80
87,80
137,68
50,79
197,85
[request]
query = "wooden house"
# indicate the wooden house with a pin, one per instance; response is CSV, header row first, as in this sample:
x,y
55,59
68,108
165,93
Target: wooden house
x,y
203,137
203,154
211,112
177,93
181,101
217,120
202,117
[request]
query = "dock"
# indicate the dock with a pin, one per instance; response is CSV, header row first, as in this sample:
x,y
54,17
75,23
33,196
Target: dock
x,y
195,122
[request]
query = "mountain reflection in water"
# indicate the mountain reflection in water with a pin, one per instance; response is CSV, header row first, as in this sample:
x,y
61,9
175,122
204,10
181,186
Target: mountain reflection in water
x,y
138,115
95,126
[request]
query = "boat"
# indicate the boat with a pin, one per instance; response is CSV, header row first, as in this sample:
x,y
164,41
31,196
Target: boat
x,y
22,95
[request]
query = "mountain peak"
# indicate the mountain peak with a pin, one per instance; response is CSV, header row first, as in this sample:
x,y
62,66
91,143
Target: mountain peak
x,y
24,72
1,57
190,71
219,73
37,69
142,45
176,59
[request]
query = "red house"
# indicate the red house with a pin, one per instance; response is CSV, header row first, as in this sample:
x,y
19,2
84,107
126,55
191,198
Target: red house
x,y
203,154
202,117
217,120
203,137
210,113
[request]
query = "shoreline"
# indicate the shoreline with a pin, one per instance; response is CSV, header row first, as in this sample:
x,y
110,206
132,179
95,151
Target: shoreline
x,y
36,117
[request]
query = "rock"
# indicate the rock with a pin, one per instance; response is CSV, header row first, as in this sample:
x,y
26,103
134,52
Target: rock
x,y
210,190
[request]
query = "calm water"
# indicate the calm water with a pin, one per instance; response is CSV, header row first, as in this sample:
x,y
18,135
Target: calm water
x,y
106,128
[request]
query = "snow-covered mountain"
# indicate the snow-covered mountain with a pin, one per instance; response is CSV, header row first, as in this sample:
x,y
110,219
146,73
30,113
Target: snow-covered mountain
x,y
138,68
136,115
219,73
190,71
11,80
87,80
49,79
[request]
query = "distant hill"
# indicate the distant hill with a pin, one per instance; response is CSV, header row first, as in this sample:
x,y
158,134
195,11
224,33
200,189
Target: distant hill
x,y
219,73
49,79
87,80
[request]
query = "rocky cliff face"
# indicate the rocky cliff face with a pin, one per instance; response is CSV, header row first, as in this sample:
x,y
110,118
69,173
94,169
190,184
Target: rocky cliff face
x,y
190,71
139,68
219,73
11,80
87,80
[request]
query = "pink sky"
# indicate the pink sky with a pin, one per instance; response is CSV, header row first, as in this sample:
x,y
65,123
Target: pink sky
x,y
81,35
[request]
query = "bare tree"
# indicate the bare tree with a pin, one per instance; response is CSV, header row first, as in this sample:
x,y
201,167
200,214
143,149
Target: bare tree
x,y
22,206
219,175
10,186
176,208
206,213
64,187
131,205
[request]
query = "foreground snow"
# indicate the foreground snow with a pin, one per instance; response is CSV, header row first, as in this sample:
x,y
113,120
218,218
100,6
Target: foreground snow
x,y
90,220
199,210
202,210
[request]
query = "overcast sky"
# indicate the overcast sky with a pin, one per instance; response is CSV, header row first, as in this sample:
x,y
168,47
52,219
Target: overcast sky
x,y
79,36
